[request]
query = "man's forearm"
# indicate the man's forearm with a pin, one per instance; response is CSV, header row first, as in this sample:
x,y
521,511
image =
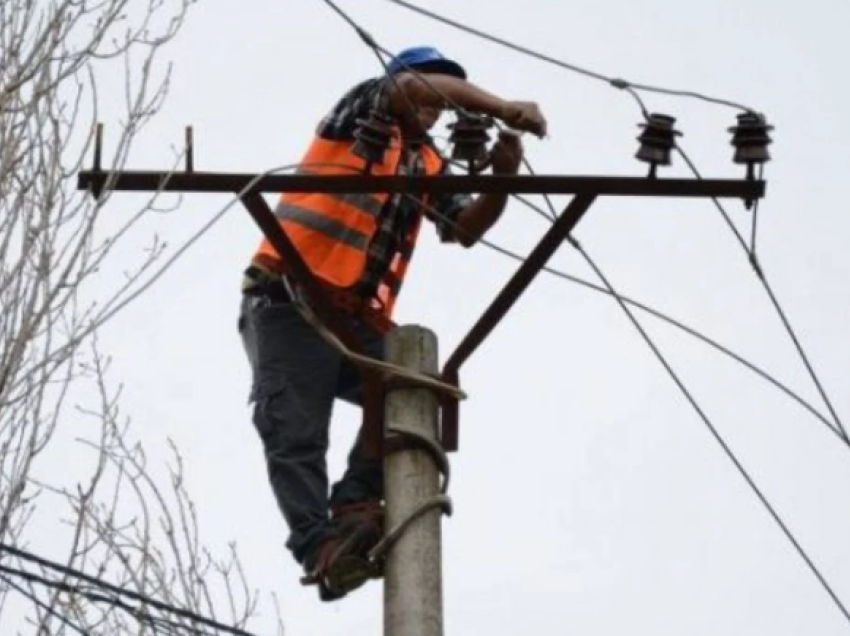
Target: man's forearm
x,y
441,91
478,217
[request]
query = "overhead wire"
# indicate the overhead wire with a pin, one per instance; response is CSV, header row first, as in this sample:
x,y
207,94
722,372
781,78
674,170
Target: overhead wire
x,y
44,606
70,588
657,314
379,51
672,373
633,88
675,323
370,41
622,301
777,305
119,593
615,82
715,433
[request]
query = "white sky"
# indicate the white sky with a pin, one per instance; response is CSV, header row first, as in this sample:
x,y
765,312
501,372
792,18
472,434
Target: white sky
x,y
589,496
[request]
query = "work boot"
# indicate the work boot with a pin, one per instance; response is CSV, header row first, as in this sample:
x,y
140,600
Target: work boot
x,y
340,564
368,513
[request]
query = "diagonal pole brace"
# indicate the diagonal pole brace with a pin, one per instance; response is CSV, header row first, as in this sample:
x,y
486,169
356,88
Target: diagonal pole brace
x,y
518,283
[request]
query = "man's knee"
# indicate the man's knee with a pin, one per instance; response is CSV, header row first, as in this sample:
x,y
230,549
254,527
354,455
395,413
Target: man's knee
x,y
286,425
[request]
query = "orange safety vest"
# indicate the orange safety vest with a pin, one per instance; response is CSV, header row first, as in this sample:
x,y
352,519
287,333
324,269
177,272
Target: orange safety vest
x,y
333,231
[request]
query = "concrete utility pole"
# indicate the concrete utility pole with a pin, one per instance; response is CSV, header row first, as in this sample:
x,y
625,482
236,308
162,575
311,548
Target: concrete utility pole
x,y
413,595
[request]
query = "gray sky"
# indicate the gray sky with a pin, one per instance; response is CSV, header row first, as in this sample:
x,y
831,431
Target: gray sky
x,y
589,496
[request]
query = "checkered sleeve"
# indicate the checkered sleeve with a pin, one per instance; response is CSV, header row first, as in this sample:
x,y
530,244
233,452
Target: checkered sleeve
x,y
341,122
449,207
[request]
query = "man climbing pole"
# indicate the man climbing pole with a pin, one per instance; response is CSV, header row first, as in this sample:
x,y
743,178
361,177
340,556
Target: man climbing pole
x,y
359,247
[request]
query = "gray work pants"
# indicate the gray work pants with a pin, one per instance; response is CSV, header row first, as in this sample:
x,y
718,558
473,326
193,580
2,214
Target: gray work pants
x,y
296,378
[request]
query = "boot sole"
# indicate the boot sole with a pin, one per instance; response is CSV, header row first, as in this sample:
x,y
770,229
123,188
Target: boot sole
x,y
348,573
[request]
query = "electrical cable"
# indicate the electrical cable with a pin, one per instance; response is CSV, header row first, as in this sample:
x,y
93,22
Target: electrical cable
x,y
648,340
760,274
380,51
69,588
708,424
632,88
388,369
660,316
44,606
192,240
675,323
684,328
719,439
615,82
703,416
678,324
107,587
655,313
688,395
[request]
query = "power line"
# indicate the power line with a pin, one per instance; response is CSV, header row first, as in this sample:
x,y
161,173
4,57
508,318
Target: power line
x,y
633,87
659,355
760,274
645,336
715,433
615,82
655,313
100,584
369,40
648,309
380,51
727,450
44,606
673,322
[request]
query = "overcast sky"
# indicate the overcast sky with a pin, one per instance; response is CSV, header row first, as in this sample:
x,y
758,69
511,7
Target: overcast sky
x,y
590,498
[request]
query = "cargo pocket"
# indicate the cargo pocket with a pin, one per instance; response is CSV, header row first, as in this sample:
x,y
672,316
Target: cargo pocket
x,y
270,406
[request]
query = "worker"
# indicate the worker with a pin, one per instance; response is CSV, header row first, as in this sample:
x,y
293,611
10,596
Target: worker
x,y
359,247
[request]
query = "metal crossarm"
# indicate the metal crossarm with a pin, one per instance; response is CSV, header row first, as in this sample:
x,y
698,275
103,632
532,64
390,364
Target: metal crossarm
x,y
251,186
148,181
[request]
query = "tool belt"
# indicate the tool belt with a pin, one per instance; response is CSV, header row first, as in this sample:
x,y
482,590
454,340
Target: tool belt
x,y
279,287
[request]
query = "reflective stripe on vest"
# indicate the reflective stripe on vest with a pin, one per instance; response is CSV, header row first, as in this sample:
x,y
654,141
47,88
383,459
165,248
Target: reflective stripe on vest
x,y
321,223
333,231
365,202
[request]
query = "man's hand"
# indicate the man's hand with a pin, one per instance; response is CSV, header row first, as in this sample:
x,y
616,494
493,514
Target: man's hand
x,y
506,153
479,216
524,116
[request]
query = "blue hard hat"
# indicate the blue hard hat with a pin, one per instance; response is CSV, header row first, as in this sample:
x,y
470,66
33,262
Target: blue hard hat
x,y
425,59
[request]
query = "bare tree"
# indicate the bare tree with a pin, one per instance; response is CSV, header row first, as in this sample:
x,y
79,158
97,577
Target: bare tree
x,y
114,516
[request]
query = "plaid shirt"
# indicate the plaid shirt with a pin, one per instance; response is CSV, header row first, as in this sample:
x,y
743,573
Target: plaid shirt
x,y
400,211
